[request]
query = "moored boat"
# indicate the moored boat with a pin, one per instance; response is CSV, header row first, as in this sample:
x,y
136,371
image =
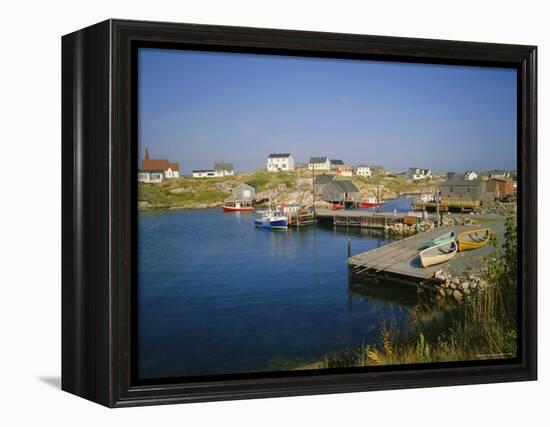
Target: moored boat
x,y
444,238
473,239
370,202
272,220
238,206
438,254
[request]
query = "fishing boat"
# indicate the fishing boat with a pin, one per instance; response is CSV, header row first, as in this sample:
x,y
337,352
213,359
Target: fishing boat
x,y
438,254
272,220
237,206
473,239
444,238
370,202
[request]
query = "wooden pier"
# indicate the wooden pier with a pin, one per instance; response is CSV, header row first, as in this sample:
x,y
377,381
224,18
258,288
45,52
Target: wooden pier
x,y
358,218
301,219
459,206
399,260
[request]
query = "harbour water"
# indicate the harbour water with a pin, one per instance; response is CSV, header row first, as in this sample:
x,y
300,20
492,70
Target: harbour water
x,y
217,295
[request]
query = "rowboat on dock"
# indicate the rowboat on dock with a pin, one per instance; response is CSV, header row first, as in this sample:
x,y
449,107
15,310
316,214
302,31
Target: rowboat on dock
x,y
238,206
444,238
473,239
438,253
273,220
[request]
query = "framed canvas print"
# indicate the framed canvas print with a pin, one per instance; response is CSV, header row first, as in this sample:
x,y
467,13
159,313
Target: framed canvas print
x,y
257,213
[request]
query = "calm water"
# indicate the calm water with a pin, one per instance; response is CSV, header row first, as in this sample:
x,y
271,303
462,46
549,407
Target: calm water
x,y
217,295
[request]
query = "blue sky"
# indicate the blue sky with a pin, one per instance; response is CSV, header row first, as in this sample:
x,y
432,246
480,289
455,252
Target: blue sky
x,y
196,107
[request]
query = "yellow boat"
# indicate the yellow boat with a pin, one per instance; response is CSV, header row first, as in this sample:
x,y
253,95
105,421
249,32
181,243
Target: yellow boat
x,y
473,239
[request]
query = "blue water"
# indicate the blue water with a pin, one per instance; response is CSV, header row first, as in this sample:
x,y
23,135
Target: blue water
x,y
217,295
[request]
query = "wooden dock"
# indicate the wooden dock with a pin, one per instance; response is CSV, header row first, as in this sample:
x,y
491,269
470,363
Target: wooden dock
x,y
458,206
399,260
359,218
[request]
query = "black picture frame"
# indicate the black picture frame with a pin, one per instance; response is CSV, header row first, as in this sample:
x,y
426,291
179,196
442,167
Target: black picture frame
x,y
99,207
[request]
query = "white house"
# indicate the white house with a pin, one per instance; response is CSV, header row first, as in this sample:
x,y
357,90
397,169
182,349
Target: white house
x,y
470,175
224,169
277,162
417,173
220,170
170,169
206,173
151,176
363,170
427,197
319,164
499,174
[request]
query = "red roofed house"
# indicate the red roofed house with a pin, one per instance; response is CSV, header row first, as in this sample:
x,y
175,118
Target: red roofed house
x,y
171,170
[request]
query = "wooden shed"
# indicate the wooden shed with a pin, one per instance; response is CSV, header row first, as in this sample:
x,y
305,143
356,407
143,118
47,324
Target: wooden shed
x,y
244,191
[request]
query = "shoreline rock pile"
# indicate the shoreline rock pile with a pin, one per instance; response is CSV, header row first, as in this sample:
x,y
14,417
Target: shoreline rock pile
x,y
458,287
428,224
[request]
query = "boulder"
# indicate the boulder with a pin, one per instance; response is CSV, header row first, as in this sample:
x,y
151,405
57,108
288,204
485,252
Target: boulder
x,y
465,285
440,275
457,295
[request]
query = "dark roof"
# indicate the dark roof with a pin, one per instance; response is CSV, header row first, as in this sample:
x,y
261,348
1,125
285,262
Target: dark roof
x,y
324,179
244,184
458,180
363,166
276,155
203,170
336,162
223,166
318,160
344,186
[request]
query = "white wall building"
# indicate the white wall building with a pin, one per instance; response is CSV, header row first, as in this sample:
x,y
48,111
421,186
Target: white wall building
x,y
280,162
220,170
363,170
151,176
470,175
224,169
319,164
207,173
417,173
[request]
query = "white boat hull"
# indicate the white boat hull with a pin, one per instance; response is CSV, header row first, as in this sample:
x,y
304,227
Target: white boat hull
x,y
438,254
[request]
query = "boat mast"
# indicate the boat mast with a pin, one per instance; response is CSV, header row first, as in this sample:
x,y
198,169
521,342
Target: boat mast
x,y
313,185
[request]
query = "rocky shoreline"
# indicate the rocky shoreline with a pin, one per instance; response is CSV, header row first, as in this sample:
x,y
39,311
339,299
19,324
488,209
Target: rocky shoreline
x,y
458,288
427,225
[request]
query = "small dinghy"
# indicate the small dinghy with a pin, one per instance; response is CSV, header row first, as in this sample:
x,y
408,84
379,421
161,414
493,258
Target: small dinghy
x,y
438,253
444,238
473,239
